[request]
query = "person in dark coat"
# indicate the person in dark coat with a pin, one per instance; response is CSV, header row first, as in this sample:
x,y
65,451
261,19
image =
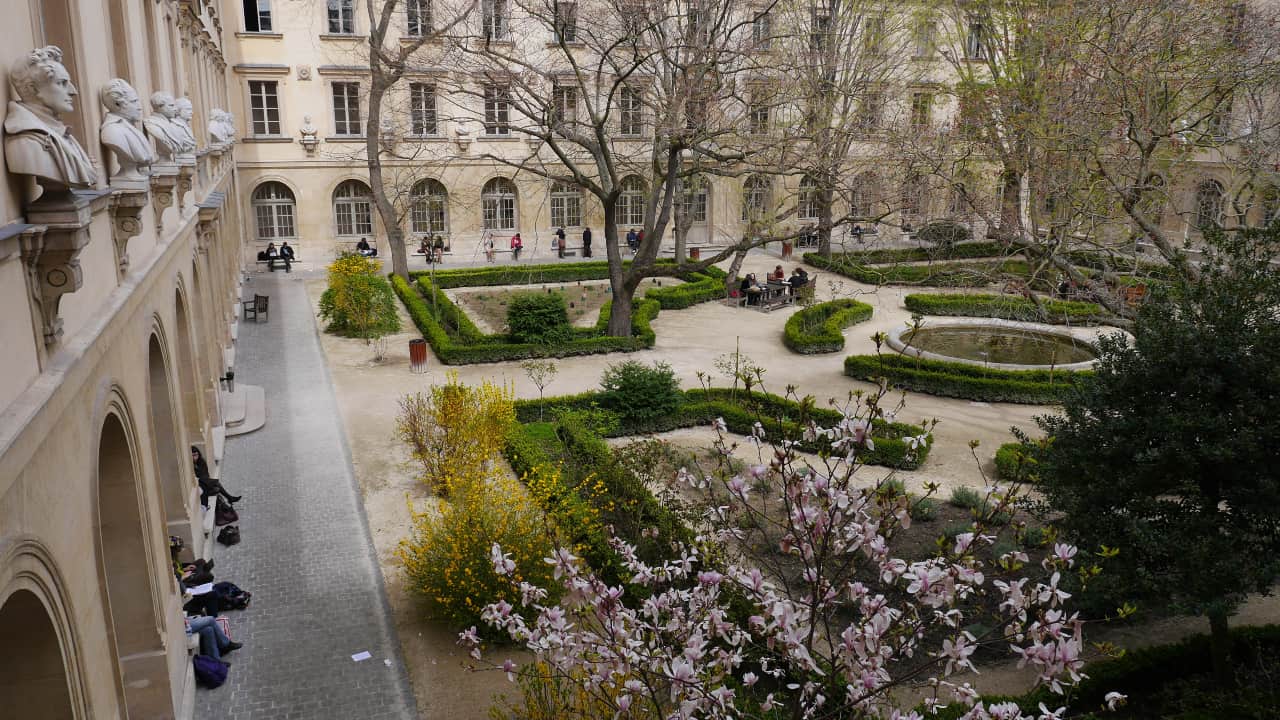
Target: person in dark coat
x,y
560,241
586,242
209,487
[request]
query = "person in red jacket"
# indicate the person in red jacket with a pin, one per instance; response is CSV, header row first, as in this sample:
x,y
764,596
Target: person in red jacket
x,y
516,245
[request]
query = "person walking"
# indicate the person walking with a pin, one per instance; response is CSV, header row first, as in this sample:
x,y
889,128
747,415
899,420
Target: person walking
x,y
516,246
586,242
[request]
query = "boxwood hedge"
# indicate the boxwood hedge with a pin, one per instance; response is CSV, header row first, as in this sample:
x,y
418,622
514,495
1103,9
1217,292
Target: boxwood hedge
x,y
1009,307
818,329
959,251
963,380
938,274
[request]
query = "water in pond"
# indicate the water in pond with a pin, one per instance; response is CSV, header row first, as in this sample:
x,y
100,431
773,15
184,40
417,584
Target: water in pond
x,y
1001,345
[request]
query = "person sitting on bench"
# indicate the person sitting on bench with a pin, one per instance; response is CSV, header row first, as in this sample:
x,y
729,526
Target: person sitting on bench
x,y
799,278
750,289
286,256
424,248
364,249
778,274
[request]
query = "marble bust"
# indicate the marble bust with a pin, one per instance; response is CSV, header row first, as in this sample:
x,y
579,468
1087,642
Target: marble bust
x,y
120,132
168,138
221,127
182,121
36,141
308,129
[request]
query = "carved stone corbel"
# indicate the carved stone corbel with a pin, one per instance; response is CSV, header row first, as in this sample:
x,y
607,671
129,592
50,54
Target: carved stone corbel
x,y
164,180
53,265
126,223
185,175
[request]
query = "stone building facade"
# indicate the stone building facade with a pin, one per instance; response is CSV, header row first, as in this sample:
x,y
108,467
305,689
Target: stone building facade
x,y
118,286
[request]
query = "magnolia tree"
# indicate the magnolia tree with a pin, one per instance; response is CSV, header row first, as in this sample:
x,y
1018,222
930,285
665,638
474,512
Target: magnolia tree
x,y
831,624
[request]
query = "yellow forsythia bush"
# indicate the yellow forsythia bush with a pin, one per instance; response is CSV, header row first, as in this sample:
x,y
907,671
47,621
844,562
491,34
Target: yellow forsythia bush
x,y
447,557
456,431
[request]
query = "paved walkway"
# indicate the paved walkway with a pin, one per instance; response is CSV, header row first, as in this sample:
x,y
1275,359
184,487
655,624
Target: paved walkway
x,y
306,553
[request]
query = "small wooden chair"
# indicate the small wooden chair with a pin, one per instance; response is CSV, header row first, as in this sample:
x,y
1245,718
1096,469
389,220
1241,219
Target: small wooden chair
x,y
255,307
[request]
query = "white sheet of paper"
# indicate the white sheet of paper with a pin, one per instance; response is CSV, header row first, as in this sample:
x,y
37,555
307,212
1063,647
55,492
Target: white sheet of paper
x,y
361,656
201,589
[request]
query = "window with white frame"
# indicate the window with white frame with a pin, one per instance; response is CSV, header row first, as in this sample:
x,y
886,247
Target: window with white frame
x,y
264,107
342,17
820,31
497,110
274,209
498,204
257,16
755,198
1209,196
975,40
913,195
873,39
923,38
761,30
807,205
417,15
630,111
566,29
422,109
566,205
495,16
692,193
630,209
346,109
635,18
870,110
695,114
564,104
863,195
921,110
429,208
352,211
758,111
959,202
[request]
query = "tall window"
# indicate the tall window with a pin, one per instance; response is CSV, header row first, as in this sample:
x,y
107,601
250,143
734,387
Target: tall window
x,y
422,109
496,19
959,202
758,112
862,195
975,40
762,31
820,31
630,112
921,110
755,198
264,107
346,109
695,114
273,208
635,18
913,195
923,39
417,15
564,104
566,205
692,193
497,110
873,36
498,204
630,209
1209,195
807,205
257,16
429,203
342,17
566,22
352,212
870,109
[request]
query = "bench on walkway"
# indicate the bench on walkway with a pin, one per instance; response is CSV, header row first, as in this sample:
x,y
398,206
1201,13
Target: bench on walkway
x,y
259,305
272,263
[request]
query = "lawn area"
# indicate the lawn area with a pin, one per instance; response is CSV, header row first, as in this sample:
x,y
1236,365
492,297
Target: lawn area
x,y
488,306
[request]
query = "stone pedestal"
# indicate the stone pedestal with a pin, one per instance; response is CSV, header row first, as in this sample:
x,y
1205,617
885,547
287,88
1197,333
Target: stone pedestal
x,y
164,183
126,222
52,261
186,176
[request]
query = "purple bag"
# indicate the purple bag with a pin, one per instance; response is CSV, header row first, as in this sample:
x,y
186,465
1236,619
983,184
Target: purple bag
x,y
210,673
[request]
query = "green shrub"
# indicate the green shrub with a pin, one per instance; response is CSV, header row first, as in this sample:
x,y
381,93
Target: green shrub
x,y
1014,463
923,510
960,251
964,380
538,317
358,302
1035,537
944,232
638,392
939,274
967,498
699,287
953,529
1009,307
817,329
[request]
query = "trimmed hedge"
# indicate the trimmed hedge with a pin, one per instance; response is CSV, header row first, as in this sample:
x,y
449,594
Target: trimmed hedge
x,y
962,380
1060,312
940,274
1012,462
959,251
740,410
516,274
818,329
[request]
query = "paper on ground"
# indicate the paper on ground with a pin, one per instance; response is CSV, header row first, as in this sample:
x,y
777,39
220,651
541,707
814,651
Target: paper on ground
x,y
361,656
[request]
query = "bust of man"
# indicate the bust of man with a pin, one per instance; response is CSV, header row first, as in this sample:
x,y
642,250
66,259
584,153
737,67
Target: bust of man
x,y
182,121
36,140
120,131
221,128
169,140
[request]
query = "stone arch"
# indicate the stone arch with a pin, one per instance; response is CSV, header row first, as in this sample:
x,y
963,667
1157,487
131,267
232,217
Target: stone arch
x,y
500,205
45,679
169,442
188,387
130,604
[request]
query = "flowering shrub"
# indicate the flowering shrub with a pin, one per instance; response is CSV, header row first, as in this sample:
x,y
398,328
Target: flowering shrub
x,y
456,431
358,302
824,622
447,557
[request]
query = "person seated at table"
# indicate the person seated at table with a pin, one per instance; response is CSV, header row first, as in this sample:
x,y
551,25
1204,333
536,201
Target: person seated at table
x,y
778,274
364,248
751,289
799,278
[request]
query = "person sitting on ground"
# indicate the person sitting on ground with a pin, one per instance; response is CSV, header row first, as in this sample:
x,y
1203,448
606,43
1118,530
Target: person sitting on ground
x,y
751,289
778,274
365,249
799,278
213,642
287,255
209,487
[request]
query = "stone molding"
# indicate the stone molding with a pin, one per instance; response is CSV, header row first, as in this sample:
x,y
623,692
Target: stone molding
x,y
126,223
164,181
52,258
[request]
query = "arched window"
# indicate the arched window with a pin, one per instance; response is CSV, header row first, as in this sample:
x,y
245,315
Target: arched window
x,y
352,212
958,203
1208,204
273,208
807,205
863,195
692,196
755,198
631,201
566,205
429,212
914,198
498,203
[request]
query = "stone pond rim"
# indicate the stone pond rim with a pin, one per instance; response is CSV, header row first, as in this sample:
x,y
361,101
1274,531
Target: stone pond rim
x,y
1082,337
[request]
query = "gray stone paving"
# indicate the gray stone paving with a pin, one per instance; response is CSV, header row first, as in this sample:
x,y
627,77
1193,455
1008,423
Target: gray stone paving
x,y
306,554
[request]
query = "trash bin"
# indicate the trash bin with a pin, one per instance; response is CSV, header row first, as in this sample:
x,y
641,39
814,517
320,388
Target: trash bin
x,y
418,356
695,253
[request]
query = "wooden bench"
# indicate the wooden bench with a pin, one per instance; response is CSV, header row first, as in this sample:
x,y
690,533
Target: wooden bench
x,y
267,263
256,307
777,295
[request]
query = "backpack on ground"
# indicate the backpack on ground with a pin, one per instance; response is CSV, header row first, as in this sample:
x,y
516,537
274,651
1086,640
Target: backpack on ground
x,y
229,535
231,597
224,514
209,673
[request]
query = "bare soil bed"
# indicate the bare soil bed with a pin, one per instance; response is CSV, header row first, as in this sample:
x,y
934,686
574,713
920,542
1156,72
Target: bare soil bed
x,y
487,307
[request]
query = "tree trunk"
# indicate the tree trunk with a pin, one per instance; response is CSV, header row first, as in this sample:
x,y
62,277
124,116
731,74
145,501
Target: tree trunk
x,y
386,211
620,280
824,222
1220,648
682,233
731,280
620,312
